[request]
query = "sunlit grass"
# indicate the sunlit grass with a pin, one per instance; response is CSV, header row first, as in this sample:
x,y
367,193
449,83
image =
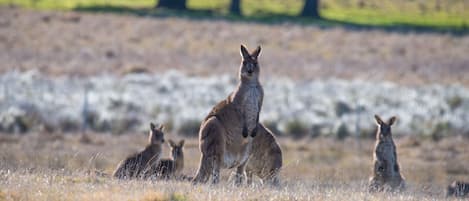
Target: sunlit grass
x,y
371,12
314,169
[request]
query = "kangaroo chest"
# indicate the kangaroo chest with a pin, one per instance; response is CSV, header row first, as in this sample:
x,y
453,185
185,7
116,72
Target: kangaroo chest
x,y
250,105
385,153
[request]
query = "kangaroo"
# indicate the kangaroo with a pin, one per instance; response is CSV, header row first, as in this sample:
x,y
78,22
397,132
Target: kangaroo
x,y
266,158
386,173
136,165
225,135
173,166
458,189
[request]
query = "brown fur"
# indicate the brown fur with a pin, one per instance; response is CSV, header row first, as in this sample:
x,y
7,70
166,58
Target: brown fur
x,y
266,158
137,165
225,136
171,167
386,171
458,189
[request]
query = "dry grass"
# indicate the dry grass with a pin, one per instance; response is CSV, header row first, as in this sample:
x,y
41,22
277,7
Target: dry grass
x,y
40,167
67,43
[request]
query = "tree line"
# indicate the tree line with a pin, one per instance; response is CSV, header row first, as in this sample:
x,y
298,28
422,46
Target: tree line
x,y
310,7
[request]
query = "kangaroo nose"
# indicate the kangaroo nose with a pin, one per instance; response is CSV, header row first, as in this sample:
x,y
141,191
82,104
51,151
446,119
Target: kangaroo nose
x,y
162,140
250,71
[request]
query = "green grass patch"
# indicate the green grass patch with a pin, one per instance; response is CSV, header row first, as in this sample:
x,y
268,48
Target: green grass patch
x,y
388,13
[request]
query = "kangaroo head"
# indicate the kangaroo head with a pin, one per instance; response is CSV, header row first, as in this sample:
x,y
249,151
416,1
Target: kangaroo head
x,y
384,129
156,134
249,69
176,149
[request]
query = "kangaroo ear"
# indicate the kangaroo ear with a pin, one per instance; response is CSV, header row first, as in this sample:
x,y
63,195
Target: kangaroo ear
x,y
378,120
181,143
161,128
392,120
171,143
152,126
150,136
244,52
256,52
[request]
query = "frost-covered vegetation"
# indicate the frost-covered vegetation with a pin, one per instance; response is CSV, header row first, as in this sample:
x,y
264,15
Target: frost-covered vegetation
x,y
32,101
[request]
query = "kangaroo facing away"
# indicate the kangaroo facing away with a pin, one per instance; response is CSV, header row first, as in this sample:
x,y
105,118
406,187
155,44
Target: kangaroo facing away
x,y
172,167
386,173
458,189
136,165
225,135
266,158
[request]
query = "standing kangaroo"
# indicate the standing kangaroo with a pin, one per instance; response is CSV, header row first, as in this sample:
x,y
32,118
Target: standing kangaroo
x,y
225,136
137,165
172,167
386,173
266,158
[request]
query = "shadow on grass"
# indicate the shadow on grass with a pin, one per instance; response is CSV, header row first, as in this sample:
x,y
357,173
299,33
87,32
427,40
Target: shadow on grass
x,y
273,18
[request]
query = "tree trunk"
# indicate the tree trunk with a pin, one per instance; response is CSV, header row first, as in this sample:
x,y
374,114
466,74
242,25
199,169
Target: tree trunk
x,y
235,7
311,9
172,4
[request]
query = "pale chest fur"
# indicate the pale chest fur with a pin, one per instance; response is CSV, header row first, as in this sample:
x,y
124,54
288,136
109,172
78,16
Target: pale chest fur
x,y
250,106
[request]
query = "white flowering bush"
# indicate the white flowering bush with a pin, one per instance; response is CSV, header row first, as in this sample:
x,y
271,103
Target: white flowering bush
x,y
129,102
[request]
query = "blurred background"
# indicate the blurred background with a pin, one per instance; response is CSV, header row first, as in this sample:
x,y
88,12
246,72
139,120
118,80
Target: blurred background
x,y
109,67
327,66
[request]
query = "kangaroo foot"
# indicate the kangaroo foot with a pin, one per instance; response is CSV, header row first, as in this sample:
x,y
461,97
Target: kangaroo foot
x,y
245,132
254,132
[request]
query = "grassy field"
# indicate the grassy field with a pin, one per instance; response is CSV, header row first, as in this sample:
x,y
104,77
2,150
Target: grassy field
x,y
58,166
83,44
432,13
41,166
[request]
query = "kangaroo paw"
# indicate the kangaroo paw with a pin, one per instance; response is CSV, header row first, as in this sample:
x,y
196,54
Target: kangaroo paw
x,y
245,132
254,132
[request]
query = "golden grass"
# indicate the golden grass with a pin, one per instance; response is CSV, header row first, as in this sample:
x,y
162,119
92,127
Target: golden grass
x,y
34,167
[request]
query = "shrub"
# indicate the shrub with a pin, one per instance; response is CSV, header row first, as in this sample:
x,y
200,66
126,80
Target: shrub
x,y
189,128
342,132
440,130
454,102
273,126
69,125
21,118
297,129
119,125
341,108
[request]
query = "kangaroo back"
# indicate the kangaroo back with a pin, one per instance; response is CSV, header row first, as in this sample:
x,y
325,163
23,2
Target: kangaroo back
x,y
138,164
169,168
266,157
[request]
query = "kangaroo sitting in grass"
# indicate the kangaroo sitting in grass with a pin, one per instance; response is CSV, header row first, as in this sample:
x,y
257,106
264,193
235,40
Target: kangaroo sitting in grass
x,y
225,135
172,167
458,189
137,165
386,172
266,158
